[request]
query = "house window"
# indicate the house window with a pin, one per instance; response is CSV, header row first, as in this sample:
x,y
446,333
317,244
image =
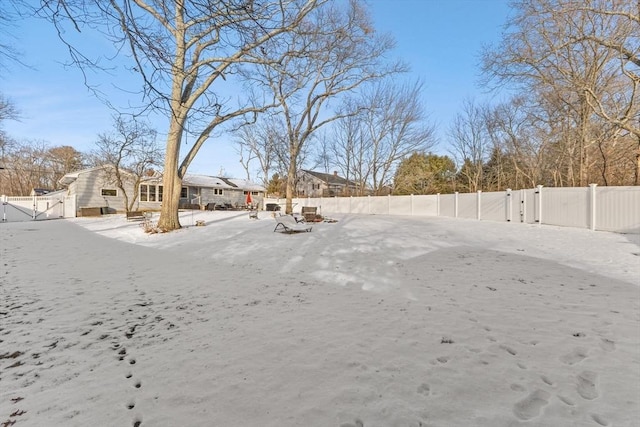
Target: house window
x,y
217,191
184,193
110,192
150,193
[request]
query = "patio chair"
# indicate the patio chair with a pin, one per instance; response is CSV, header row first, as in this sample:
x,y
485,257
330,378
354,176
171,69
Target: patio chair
x,y
288,224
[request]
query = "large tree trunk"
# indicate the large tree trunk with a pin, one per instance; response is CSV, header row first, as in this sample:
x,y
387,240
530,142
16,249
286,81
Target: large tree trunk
x,y
171,181
291,185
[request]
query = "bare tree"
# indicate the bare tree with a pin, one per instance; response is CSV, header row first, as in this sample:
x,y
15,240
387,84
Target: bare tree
x,y
183,50
616,25
349,148
31,164
62,160
394,125
470,143
245,152
8,13
129,153
513,129
334,52
8,111
261,142
579,58
25,166
619,102
323,157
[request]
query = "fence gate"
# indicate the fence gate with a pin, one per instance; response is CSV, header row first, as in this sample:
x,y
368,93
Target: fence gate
x,y
36,208
526,205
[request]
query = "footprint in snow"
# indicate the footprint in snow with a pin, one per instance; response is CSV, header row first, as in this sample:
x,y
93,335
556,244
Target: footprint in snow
x,y
587,385
530,406
576,356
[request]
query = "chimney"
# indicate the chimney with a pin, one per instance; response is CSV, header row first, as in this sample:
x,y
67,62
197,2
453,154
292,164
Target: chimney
x,y
335,173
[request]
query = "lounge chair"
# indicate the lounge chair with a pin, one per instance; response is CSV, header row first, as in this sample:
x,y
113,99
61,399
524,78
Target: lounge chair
x,y
288,224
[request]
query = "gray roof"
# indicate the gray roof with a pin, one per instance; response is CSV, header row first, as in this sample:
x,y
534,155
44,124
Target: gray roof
x,y
219,182
206,181
329,178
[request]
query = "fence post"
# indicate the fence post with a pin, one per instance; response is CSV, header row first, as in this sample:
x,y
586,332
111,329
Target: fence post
x,y
4,207
508,205
411,201
479,205
592,206
539,204
455,204
35,207
388,204
437,204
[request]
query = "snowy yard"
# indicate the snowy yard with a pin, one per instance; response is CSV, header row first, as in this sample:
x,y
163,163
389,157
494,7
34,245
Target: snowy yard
x,y
371,321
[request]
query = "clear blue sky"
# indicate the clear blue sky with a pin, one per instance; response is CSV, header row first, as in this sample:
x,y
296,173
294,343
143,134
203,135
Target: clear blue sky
x,y
439,39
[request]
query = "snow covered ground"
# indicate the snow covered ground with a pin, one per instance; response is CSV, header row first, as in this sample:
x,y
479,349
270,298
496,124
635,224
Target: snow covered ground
x,y
371,321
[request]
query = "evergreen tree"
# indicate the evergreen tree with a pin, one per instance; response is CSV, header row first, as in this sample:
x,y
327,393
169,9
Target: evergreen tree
x,y
276,185
423,173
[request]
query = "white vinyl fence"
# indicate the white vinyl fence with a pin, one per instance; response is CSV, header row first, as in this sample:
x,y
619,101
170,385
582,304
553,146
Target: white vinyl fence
x,y
35,208
597,208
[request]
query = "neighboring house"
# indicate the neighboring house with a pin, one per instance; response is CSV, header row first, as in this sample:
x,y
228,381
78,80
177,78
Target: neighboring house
x,y
317,184
94,188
